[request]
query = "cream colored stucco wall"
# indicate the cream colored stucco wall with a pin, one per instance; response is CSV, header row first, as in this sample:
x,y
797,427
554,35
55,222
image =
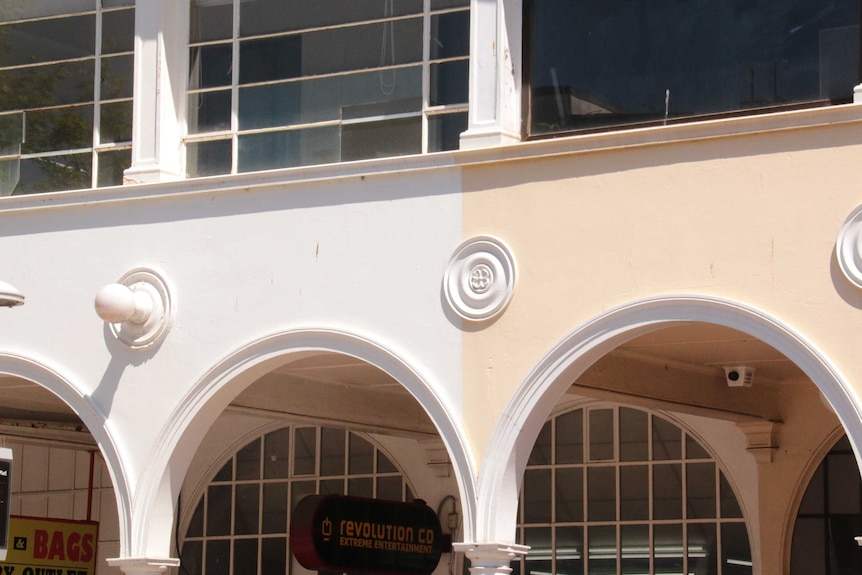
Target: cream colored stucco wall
x,y
753,219
749,218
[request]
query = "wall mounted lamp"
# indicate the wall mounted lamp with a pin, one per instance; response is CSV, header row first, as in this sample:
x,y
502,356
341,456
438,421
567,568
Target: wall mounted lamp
x,y
10,296
138,308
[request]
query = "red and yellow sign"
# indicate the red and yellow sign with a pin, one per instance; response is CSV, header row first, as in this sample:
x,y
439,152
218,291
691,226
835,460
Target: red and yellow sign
x,y
50,547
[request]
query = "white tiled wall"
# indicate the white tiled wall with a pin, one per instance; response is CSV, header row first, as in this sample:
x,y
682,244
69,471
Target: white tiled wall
x,y
53,482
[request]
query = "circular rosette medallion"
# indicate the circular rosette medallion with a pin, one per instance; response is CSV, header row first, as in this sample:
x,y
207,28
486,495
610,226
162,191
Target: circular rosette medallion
x,y
849,248
480,279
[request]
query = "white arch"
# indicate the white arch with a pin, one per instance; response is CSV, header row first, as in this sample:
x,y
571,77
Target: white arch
x,y
533,401
92,417
155,499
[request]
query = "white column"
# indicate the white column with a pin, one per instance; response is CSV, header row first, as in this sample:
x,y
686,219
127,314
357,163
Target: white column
x,y
495,74
491,558
161,54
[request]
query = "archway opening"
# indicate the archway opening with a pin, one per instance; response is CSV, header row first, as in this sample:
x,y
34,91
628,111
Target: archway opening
x,y
321,423
758,437
59,473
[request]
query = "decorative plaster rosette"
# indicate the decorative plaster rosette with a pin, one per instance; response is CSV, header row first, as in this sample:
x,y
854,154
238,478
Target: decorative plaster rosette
x,y
849,248
480,279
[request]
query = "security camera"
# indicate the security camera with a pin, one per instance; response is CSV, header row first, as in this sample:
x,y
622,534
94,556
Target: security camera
x,y
739,376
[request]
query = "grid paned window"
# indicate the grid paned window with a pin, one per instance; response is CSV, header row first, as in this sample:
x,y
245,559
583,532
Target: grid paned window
x,y
595,65
615,490
282,83
65,94
830,518
240,524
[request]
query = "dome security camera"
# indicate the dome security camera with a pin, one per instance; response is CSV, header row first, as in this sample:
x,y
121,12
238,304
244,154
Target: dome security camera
x,y
739,376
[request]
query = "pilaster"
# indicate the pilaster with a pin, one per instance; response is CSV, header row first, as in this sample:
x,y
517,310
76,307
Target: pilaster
x,y
495,74
161,56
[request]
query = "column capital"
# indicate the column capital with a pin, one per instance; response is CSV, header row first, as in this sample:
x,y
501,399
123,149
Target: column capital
x,y
142,565
491,558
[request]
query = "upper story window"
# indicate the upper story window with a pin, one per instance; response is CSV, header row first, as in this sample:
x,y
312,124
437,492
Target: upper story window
x,y
65,94
595,64
280,83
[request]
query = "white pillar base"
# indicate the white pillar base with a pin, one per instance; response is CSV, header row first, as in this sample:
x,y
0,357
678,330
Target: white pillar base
x,y
492,137
144,565
491,558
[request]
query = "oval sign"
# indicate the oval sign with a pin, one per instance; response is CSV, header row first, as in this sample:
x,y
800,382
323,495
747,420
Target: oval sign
x,y
339,533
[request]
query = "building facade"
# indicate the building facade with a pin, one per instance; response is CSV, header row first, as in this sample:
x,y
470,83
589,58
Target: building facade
x,y
584,277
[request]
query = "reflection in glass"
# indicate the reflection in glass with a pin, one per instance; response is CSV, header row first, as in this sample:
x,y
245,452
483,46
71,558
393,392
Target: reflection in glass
x,y
273,556
276,454
35,41
668,545
569,441
118,31
218,557
569,550
666,440
305,451
288,148
450,35
701,548
55,173
210,22
667,491
245,557
360,487
63,128
210,66
601,427
218,509
248,461
384,138
449,83
634,436
541,453
539,556
351,96
361,456
537,496
274,519
116,122
247,506
634,541
273,16
112,164
687,59
389,488
634,492
736,552
700,481
117,77
602,549
569,494
332,450
602,493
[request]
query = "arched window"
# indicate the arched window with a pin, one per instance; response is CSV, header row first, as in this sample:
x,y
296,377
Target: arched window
x,y
830,517
241,522
612,489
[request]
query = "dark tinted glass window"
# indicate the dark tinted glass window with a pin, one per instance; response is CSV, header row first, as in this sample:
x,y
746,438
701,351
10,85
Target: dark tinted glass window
x,y
594,63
